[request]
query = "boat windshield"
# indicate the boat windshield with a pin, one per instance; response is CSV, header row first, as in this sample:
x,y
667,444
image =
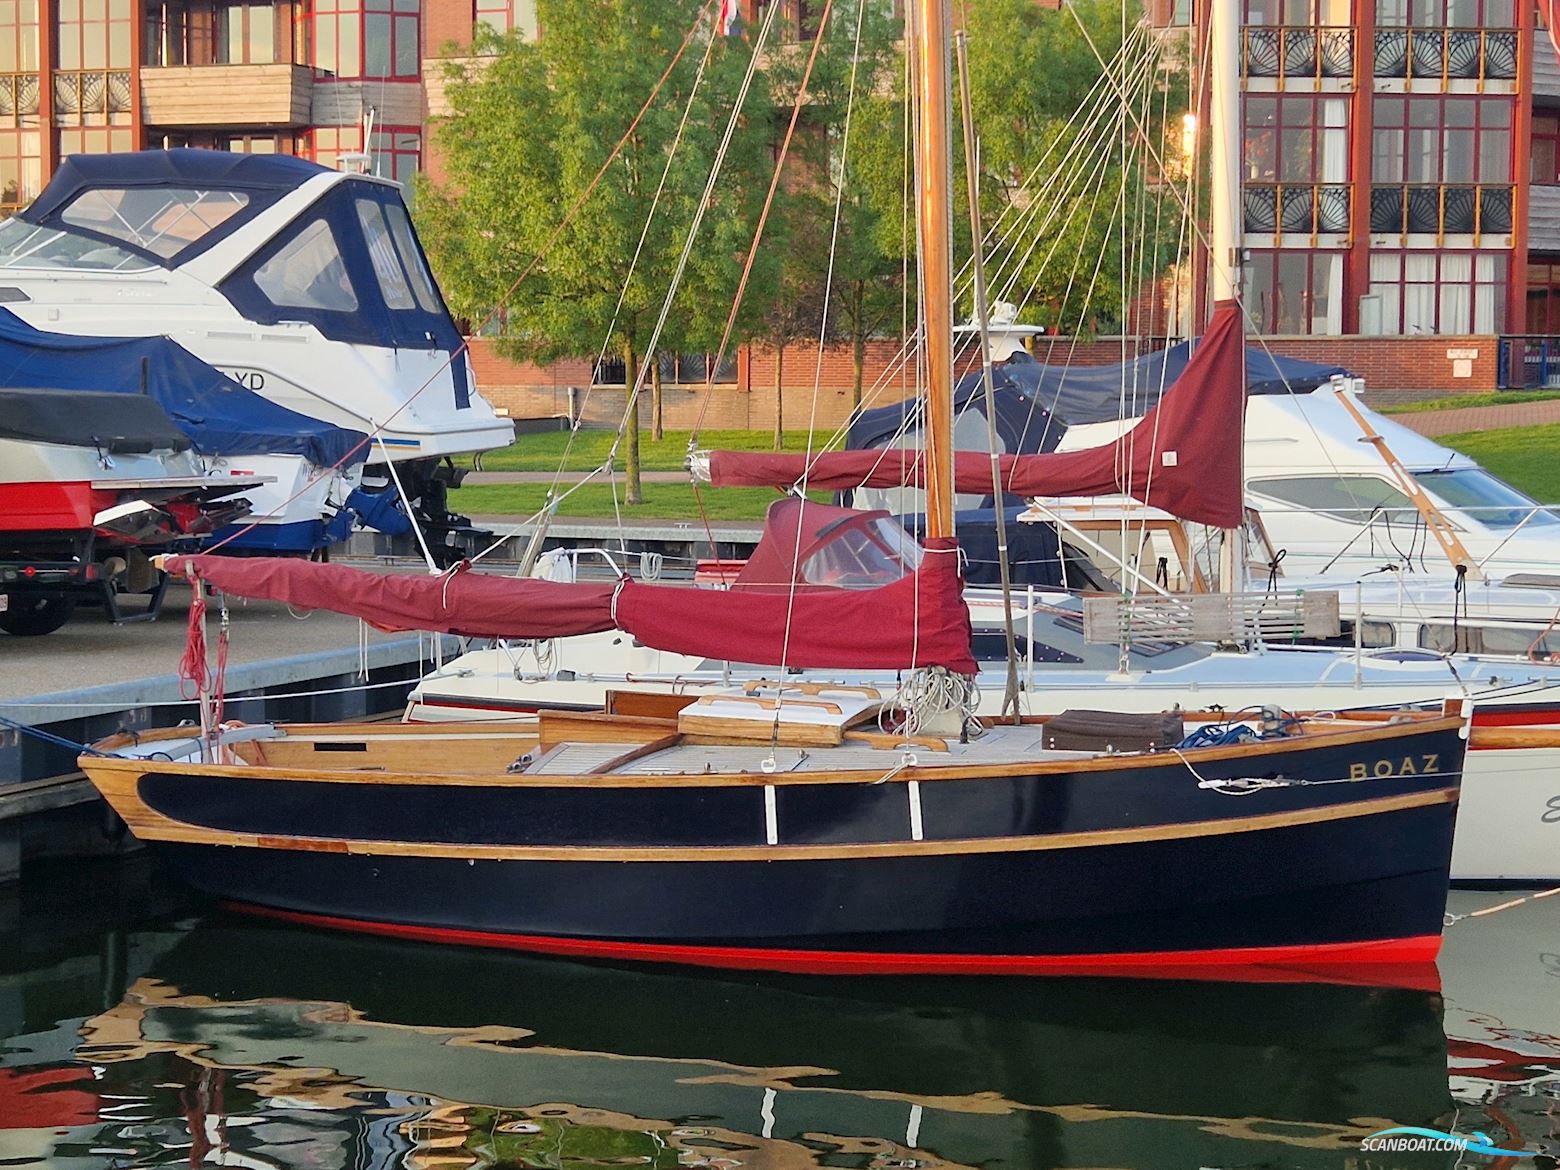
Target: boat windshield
x,y
1487,499
26,245
160,220
879,552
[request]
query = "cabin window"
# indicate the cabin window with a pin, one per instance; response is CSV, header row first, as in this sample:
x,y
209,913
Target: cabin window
x,y
387,267
1508,640
1356,498
412,258
1486,499
308,273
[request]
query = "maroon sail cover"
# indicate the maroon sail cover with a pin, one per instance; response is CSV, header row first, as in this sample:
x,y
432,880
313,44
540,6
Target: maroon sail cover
x,y
478,605
919,620
1184,455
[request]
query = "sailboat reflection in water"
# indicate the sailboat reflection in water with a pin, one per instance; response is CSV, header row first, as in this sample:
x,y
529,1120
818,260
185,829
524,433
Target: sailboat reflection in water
x,y
302,1048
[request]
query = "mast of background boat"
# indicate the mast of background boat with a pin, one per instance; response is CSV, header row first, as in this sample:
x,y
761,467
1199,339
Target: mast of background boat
x,y
931,34
1223,32
983,332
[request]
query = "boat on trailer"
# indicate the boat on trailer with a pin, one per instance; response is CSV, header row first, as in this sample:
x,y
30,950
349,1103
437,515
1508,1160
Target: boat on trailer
x,y
306,285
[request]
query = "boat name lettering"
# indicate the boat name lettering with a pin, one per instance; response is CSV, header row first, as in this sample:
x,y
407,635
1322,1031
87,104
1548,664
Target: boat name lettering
x,y
1422,765
1551,814
248,379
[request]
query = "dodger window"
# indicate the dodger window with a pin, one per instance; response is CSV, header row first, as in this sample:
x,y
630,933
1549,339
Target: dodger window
x,y
160,220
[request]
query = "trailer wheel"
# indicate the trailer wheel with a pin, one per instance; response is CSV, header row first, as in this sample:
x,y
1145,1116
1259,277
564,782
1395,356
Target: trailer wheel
x,y
32,617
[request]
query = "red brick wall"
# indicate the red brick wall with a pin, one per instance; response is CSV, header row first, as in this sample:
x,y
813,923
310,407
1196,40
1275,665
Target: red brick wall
x,y
446,21
530,391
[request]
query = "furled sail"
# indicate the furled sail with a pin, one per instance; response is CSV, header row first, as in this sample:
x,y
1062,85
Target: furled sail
x,y
919,620
1184,455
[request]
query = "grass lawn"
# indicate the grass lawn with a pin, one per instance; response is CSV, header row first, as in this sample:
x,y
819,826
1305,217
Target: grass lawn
x,y
1525,457
1464,401
663,501
545,452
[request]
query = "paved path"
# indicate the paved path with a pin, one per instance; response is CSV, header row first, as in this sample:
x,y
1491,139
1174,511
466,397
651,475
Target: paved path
x,y
1481,418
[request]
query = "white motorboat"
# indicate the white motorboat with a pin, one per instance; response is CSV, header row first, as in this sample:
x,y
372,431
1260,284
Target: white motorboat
x,y
304,284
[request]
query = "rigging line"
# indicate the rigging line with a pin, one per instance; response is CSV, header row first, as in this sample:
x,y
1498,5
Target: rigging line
x,y
633,266
465,343
417,531
763,216
1025,214
823,326
631,403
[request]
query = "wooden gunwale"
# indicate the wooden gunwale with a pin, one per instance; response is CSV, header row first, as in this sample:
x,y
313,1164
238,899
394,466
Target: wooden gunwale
x,y
150,825
98,765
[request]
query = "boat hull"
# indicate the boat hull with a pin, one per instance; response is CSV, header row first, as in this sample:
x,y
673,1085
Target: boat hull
x,y
1119,861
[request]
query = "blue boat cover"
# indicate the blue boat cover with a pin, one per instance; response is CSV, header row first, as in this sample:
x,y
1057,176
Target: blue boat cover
x,y
1090,394
262,178
220,416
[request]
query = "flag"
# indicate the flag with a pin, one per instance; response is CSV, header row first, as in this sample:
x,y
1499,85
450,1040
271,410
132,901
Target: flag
x,y
728,17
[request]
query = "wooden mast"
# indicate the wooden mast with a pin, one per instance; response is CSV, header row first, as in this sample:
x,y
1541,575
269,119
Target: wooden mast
x,y
931,34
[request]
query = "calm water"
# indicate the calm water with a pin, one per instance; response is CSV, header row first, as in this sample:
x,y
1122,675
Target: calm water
x,y
137,1028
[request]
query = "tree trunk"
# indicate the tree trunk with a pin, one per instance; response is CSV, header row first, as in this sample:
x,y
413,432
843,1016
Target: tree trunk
x,y
858,341
633,493
656,431
779,396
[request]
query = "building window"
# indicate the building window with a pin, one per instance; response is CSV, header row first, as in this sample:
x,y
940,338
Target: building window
x,y
21,172
395,152
1440,292
1296,292
245,34
1446,13
503,16
1546,148
18,36
368,38
94,34
1299,13
1543,297
1296,138
1442,140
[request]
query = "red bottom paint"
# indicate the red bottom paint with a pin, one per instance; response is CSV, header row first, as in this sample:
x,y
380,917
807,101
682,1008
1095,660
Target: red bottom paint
x,y
1398,962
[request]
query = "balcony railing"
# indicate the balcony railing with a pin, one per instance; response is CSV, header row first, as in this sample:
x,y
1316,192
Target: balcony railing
x,y
1310,52
1308,208
1447,54
1440,210
19,94
91,91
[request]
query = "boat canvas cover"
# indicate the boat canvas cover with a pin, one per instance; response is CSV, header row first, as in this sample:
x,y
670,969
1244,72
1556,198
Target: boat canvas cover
x,y
919,620
77,418
1077,395
261,179
220,416
1184,455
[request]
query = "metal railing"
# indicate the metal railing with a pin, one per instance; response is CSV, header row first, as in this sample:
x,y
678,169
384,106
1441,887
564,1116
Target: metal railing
x,y
1528,361
19,94
1309,208
1440,209
91,91
1446,54
1311,52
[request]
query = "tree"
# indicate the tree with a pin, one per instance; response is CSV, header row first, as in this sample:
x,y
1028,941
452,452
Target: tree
x,y
533,123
